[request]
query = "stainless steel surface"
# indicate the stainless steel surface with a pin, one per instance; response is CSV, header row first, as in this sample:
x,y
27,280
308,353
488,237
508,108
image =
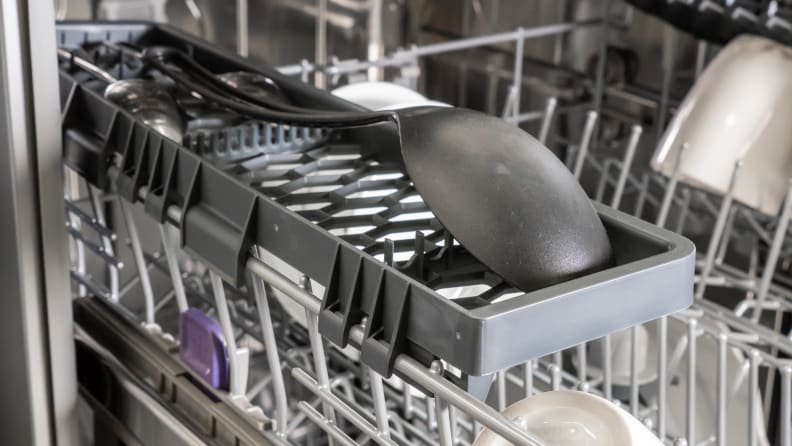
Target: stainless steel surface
x,y
39,384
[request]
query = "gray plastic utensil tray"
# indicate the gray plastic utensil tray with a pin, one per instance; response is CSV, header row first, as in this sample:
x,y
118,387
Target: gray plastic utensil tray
x,y
225,210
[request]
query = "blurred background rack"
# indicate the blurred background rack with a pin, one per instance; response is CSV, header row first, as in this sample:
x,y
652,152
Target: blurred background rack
x,y
596,81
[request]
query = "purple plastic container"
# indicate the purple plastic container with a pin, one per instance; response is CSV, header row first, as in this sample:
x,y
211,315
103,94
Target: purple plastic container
x,y
203,348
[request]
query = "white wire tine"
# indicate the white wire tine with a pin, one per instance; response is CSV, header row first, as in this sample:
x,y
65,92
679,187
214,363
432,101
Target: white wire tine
x,y
508,106
739,378
717,232
684,209
173,267
607,369
604,179
547,120
375,50
528,384
242,27
380,406
140,262
727,237
317,350
107,243
271,349
722,401
444,423
555,376
409,406
634,370
753,394
452,416
772,256
519,50
431,414
643,191
786,405
320,43
500,380
629,154
668,196
237,358
691,383
662,375
444,428
582,363
588,133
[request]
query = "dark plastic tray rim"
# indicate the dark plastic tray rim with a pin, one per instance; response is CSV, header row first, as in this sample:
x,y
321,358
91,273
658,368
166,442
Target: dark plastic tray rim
x,y
677,248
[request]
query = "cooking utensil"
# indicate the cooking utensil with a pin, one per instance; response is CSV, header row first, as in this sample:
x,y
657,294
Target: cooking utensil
x,y
499,191
256,85
151,102
532,223
724,120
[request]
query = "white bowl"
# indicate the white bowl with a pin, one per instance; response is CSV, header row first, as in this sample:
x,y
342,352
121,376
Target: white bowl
x,y
621,357
737,385
740,108
571,418
706,383
380,95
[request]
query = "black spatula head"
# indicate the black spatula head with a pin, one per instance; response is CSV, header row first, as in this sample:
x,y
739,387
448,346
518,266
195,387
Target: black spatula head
x,y
503,195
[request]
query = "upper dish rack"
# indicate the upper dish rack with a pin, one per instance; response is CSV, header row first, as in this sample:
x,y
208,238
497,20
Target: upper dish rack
x,y
226,208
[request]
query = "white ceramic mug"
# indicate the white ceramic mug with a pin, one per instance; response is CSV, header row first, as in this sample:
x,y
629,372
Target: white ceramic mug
x,y
739,108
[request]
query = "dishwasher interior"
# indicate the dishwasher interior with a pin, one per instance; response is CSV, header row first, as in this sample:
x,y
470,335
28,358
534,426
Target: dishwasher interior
x,y
247,281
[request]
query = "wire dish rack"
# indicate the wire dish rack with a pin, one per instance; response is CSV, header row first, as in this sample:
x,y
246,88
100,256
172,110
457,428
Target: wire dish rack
x,y
696,376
